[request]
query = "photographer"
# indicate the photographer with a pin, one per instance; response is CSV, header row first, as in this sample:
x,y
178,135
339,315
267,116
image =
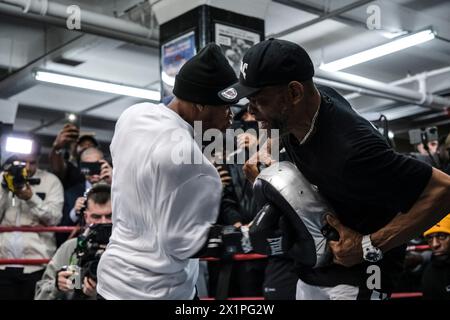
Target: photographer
x,y
436,276
95,169
28,204
56,282
66,152
425,142
432,147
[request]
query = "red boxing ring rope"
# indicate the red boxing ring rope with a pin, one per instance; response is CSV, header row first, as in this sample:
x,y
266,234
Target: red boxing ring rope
x,y
239,257
25,262
236,257
38,229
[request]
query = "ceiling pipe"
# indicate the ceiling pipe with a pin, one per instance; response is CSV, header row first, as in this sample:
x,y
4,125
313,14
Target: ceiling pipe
x,y
417,77
361,91
321,18
317,11
367,86
395,93
91,22
87,29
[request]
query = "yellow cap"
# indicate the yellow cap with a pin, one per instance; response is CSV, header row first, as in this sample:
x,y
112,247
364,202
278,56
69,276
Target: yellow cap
x,y
441,226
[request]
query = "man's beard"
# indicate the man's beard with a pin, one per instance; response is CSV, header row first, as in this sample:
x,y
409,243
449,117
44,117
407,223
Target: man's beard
x,y
282,127
279,123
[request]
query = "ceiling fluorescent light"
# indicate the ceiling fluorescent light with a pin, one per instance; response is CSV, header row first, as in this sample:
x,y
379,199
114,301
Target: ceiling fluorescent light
x,y
167,79
383,50
96,85
19,145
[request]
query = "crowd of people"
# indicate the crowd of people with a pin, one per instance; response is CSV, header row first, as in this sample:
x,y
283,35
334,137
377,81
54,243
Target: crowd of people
x,y
76,191
63,197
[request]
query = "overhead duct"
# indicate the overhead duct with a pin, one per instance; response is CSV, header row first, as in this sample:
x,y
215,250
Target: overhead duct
x,y
423,76
358,90
90,20
391,92
321,18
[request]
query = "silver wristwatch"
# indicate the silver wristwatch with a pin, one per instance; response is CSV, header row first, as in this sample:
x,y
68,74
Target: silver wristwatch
x,y
370,253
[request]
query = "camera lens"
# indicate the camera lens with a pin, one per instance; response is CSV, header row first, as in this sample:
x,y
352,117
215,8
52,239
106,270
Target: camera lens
x,y
91,271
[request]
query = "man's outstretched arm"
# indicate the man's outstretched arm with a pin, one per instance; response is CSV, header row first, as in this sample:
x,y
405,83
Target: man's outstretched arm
x,y
432,205
430,208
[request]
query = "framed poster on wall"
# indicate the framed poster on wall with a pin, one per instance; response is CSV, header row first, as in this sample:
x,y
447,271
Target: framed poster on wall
x,y
174,54
234,43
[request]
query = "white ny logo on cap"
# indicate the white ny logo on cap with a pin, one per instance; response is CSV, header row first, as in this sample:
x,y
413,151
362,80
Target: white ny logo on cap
x,y
244,67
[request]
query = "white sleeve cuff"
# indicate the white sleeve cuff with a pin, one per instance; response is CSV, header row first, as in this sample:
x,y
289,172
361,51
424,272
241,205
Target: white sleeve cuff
x,y
73,215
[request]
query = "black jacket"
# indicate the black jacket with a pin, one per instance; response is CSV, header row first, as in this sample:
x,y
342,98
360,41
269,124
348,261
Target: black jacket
x,y
436,279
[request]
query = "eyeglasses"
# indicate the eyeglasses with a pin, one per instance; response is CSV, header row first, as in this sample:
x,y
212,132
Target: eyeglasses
x,y
439,235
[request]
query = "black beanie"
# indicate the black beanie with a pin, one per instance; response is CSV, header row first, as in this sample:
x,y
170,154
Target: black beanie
x,y
202,77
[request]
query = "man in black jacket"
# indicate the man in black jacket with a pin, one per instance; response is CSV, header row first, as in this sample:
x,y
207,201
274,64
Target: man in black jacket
x,y
381,198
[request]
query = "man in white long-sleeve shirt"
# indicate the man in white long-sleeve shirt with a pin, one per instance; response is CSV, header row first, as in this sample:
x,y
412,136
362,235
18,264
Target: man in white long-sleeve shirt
x,y
162,210
35,205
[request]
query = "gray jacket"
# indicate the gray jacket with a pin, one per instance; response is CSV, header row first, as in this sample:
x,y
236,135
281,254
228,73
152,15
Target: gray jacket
x,y
46,288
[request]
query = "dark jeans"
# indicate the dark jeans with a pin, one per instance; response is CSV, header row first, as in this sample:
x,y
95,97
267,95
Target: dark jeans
x,y
280,281
16,285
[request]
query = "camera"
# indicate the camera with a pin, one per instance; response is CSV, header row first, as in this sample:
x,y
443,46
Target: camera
x,y
423,135
90,168
90,246
75,278
16,176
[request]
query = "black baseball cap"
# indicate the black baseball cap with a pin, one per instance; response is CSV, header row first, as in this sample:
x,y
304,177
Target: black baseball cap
x,y
268,63
202,77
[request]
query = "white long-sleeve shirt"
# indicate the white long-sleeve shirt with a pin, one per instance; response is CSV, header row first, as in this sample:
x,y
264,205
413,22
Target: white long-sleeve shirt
x,y
43,208
162,211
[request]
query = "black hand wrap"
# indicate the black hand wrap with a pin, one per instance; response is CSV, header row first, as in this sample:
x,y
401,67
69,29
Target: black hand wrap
x,y
264,237
224,241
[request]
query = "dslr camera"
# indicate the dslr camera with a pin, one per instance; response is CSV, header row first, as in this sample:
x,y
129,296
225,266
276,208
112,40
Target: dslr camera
x,y
90,247
423,135
16,176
